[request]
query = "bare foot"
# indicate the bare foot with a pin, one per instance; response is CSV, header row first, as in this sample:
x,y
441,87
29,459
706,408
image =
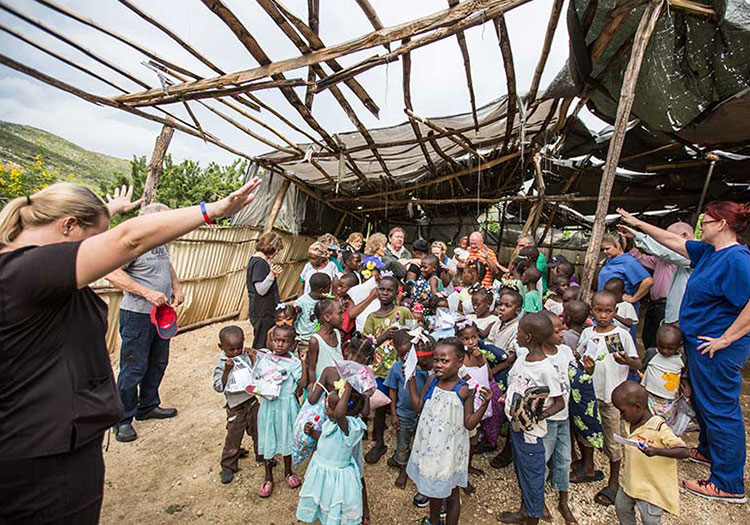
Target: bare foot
x,y
511,517
546,514
401,480
567,514
476,471
469,489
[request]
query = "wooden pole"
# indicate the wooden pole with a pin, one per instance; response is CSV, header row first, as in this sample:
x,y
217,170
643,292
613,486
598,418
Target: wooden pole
x,y
156,165
554,18
277,205
627,95
339,225
710,173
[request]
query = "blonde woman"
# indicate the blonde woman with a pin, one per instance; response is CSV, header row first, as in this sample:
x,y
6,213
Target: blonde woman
x,y
56,384
374,251
355,242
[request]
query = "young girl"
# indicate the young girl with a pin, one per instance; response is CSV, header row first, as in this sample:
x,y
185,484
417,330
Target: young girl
x,y
382,324
478,368
276,415
285,314
341,288
325,345
481,301
557,286
439,461
332,492
427,283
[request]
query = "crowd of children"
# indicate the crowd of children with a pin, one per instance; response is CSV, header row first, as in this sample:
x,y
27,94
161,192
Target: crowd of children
x,y
456,369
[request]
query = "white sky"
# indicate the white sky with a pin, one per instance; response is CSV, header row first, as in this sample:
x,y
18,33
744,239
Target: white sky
x,y
438,84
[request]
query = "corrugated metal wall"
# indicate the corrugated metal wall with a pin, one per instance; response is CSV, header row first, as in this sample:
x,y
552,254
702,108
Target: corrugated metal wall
x,y
211,263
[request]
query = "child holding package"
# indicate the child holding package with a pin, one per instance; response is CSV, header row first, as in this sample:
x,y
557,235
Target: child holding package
x,y
558,284
242,408
608,353
306,323
403,417
649,477
439,461
332,491
665,377
382,324
532,374
277,412
625,314
557,442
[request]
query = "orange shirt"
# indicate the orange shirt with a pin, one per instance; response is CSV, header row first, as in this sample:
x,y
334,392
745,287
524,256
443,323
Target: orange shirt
x,y
476,255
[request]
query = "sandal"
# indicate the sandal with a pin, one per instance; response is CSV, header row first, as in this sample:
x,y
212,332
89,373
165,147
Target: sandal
x,y
605,497
293,481
500,461
375,453
266,489
697,457
578,476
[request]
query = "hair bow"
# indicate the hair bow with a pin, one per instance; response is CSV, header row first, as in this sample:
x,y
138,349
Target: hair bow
x,y
328,296
418,308
340,386
463,323
280,306
418,335
372,339
386,273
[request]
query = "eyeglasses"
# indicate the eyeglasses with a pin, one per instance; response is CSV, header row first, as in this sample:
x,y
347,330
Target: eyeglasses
x,y
704,222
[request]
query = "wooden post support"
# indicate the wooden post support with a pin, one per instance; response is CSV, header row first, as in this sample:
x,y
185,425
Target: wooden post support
x,y
156,165
713,157
339,225
277,205
625,104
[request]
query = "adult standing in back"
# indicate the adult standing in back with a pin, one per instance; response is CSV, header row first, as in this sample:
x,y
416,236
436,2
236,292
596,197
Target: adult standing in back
x,y
395,247
715,321
262,288
479,251
57,391
147,281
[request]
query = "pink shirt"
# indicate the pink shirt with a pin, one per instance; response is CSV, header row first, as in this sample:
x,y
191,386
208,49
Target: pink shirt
x,y
663,272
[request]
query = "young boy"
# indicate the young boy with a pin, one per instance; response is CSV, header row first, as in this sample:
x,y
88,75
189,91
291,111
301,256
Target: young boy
x,y
383,324
532,374
532,301
481,302
575,315
625,314
471,281
320,283
403,417
557,441
242,408
558,284
608,353
649,478
663,376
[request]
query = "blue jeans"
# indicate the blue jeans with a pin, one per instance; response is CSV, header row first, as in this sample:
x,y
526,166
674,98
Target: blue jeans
x,y
557,447
407,428
528,460
143,359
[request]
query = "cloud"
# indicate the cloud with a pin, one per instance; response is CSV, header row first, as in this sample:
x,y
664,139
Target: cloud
x,y
438,84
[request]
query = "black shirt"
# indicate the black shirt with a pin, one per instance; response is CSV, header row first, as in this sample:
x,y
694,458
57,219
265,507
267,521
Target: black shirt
x,y
261,305
57,391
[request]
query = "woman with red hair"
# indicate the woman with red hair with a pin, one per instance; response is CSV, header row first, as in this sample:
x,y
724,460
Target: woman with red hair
x,y
715,321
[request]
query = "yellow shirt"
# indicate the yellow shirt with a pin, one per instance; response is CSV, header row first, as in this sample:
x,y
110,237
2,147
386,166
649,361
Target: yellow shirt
x,y
375,325
652,479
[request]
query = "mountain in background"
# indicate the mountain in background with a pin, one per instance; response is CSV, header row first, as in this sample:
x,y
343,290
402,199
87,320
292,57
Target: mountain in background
x,y
21,144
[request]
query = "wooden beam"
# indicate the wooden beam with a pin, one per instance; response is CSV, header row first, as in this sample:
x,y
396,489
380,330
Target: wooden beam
x,y
278,201
156,164
452,135
549,36
451,176
704,192
694,8
313,21
627,96
446,19
510,75
372,16
316,44
258,121
615,18
406,77
247,40
467,69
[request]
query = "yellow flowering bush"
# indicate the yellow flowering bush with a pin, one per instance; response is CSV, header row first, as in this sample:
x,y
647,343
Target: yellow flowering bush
x,y
18,181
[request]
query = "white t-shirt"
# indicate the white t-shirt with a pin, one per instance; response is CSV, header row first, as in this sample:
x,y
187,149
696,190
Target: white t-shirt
x,y
307,271
662,376
608,373
483,322
524,375
554,307
561,360
626,310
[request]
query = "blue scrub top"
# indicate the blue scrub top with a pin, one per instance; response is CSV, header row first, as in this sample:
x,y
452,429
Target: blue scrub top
x,y
627,268
717,291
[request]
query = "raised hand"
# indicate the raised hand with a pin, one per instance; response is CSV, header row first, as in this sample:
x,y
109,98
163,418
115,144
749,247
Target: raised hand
x,y
235,201
120,200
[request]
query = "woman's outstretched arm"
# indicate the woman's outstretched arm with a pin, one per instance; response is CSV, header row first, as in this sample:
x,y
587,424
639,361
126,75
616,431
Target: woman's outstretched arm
x,y
100,254
671,240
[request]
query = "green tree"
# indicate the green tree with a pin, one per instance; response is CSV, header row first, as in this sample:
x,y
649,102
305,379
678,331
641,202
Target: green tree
x,y
183,184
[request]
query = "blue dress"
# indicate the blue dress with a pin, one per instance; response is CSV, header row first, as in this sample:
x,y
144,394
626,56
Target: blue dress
x,y
276,416
716,293
332,491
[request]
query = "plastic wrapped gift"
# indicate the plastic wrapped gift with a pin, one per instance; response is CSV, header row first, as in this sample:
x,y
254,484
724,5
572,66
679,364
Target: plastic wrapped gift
x,y
303,445
359,376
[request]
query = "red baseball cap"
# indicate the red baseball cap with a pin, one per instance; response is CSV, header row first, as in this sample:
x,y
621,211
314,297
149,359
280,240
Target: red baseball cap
x,y
165,319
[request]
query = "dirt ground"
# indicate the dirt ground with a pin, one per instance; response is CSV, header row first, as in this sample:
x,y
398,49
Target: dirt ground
x,y
171,473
